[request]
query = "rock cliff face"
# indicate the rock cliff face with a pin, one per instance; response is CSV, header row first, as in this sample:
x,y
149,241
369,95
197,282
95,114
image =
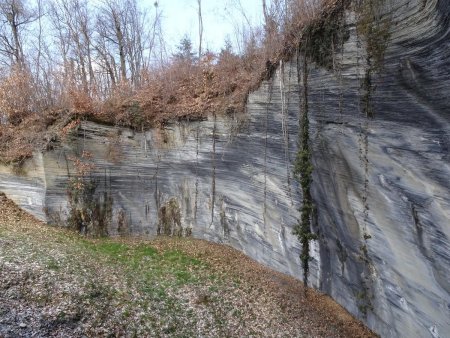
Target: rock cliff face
x,y
381,156
376,79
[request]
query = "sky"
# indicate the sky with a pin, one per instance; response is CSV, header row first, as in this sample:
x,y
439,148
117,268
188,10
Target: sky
x,y
220,17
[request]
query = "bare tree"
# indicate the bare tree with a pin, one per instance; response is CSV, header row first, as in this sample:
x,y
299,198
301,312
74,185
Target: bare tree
x,y
200,28
111,22
84,24
137,40
157,44
244,31
124,37
265,12
77,25
39,47
14,15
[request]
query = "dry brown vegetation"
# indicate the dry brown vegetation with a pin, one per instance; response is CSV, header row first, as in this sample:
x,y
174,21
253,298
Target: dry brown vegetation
x,y
108,83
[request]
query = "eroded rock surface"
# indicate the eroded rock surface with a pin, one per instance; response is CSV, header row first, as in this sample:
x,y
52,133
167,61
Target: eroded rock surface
x,y
380,139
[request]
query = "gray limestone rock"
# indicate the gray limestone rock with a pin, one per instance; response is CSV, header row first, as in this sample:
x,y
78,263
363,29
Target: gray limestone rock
x,y
379,116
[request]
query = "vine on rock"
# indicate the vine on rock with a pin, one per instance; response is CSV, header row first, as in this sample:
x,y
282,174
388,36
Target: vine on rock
x,y
321,40
303,174
376,32
374,21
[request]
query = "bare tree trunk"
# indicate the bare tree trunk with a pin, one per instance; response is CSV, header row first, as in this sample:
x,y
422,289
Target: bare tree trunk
x,y
121,44
157,32
266,14
11,9
38,59
88,43
109,68
17,46
200,29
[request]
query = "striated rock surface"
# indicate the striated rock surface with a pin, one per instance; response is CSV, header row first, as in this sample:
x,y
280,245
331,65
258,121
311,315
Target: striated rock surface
x,y
381,156
377,80
228,178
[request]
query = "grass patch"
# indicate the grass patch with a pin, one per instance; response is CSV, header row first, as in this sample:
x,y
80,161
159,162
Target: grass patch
x,y
143,260
111,249
52,264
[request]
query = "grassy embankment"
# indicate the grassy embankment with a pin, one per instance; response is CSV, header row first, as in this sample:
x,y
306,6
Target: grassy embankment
x,y
54,282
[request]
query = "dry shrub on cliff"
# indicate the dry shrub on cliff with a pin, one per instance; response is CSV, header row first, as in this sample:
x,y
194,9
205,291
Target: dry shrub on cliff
x,y
17,142
80,102
184,88
189,90
16,95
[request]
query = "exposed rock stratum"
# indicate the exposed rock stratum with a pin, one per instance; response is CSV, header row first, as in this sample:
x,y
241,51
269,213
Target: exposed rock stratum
x,y
377,83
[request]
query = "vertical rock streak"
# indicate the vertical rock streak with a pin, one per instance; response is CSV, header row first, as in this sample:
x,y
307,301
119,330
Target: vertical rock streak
x,y
284,120
213,162
197,137
266,126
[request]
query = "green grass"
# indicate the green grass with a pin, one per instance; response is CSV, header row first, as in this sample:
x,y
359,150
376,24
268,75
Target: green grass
x,y
52,264
172,267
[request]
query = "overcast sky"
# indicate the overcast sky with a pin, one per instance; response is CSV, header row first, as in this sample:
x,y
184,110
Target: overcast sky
x,y
219,19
